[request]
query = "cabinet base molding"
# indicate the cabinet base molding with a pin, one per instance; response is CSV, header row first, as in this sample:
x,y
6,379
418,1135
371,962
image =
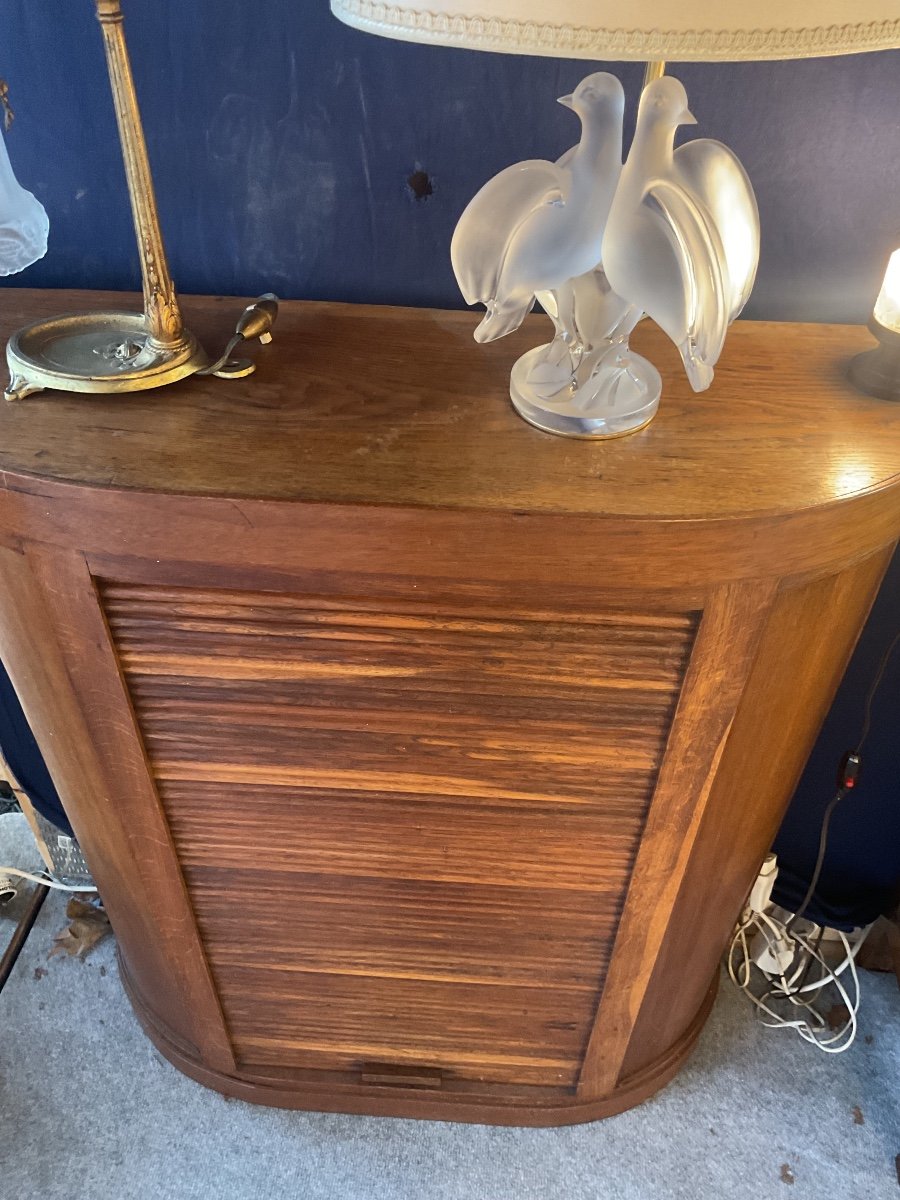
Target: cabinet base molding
x,y
340,1092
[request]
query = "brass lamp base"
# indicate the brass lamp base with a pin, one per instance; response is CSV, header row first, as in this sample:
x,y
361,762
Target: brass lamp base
x,y
115,352
128,352
96,352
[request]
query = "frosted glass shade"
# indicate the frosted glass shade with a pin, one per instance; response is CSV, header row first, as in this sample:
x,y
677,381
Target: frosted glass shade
x,y
887,306
676,30
23,221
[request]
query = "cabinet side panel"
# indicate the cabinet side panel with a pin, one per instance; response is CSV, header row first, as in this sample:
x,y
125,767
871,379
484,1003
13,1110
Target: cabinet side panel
x,y
55,644
727,639
802,656
407,828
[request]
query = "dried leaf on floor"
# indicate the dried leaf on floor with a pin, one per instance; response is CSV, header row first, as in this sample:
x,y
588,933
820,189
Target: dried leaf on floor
x,y
787,1175
88,925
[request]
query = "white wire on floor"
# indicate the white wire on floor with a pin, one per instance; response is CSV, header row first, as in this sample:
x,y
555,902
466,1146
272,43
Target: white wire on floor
x,y
7,872
793,958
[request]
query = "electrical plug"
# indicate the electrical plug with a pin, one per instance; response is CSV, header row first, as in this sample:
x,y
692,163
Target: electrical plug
x,y
761,893
773,952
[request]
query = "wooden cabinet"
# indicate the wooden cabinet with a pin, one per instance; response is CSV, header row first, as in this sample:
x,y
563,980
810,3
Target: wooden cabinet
x,y
424,760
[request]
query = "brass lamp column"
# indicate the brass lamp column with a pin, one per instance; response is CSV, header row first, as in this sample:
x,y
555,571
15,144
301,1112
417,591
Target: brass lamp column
x,y
160,301
120,351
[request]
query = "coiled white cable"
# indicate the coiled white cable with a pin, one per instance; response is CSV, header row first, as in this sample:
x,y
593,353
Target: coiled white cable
x,y
790,985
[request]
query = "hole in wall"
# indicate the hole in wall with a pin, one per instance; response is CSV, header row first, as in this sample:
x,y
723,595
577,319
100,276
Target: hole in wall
x,y
419,183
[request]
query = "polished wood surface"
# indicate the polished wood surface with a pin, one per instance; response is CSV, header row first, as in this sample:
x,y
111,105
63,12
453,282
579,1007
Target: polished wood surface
x,y
355,404
424,760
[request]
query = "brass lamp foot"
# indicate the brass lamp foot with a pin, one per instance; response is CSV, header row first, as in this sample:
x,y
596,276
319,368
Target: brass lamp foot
x,y
96,352
115,353
128,352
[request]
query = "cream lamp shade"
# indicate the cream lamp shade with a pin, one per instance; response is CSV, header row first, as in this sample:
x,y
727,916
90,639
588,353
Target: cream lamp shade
x,y
676,30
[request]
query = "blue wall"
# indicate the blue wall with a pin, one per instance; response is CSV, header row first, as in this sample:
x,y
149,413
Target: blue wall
x,y
282,144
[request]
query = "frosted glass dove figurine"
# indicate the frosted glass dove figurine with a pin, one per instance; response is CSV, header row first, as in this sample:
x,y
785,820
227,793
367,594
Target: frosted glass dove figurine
x,y
535,231
23,221
681,231
682,238
538,224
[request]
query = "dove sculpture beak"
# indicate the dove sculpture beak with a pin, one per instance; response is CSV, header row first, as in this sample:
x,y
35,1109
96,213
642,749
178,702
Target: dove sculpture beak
x,y
687,118
566,101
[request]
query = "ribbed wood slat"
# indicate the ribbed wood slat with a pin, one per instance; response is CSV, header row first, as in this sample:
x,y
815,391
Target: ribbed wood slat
x,y
497,1034
421,924
312,730
578,847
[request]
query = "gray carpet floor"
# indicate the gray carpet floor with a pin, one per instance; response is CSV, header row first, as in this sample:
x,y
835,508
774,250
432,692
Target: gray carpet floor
x,y
90,1111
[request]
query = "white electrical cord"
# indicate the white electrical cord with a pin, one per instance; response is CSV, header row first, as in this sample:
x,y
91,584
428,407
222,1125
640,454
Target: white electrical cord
x,y
44,879
788,984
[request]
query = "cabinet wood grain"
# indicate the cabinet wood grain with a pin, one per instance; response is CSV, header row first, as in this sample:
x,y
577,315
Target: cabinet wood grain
x,y
424,760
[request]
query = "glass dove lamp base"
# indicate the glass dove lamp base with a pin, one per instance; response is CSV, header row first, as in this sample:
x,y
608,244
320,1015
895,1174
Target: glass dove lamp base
x,y
620,395
96,352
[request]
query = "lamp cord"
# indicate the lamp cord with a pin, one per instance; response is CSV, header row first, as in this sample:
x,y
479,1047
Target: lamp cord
x,y
842,791
867,720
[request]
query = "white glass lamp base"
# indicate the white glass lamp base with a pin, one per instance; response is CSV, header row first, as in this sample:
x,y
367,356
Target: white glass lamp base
x,y
670,234
616,394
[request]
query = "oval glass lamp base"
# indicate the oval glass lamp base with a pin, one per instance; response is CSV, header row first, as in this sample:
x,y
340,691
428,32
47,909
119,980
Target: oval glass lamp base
x,y
96,352
614,394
